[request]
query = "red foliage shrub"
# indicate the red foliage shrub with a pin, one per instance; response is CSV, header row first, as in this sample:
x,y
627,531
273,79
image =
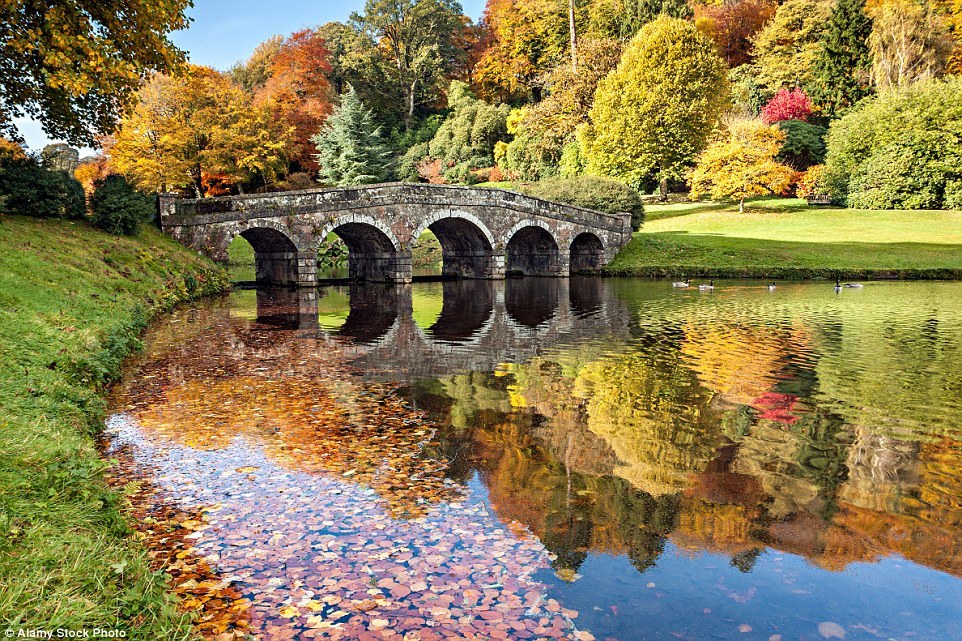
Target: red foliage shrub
x,y
787,105
430,170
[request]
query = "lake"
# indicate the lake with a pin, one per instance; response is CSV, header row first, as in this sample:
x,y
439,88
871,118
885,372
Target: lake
x,y
583,459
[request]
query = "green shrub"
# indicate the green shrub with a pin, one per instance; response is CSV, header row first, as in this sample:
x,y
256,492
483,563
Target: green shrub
x,y
470,132
901,149
29,189
907,173
591,192
118,208
533,153
572,161
804,144
407,167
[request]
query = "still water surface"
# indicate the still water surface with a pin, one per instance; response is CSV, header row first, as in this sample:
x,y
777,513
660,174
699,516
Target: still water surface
x,y
541,458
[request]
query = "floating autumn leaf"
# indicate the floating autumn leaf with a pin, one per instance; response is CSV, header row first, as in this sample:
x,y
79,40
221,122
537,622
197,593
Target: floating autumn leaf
x,y
831,630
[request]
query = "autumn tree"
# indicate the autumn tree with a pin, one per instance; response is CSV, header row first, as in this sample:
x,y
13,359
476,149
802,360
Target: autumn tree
x,y
786,49
742,164
350,150
732,25
951,10
526,38
653,114
253,73
414,49
298,93
90,170
910,41
542,131
842,69
202,122
74,65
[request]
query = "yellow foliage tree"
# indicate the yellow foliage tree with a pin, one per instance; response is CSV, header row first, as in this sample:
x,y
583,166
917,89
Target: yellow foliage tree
x,y
910,41
199,123
742,164
656,110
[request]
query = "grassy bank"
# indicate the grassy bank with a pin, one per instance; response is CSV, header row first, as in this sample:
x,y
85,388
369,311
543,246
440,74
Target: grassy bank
x,y
73,302
783,238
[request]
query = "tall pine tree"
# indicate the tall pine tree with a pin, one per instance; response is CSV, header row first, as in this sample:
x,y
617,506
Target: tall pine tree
x,y
843,67
349,146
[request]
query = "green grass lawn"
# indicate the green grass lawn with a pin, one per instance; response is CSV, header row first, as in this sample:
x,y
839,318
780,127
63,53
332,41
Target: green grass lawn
x,y
73,301
785,238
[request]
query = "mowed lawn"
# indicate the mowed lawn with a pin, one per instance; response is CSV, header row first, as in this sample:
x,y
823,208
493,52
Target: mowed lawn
x,y
785,238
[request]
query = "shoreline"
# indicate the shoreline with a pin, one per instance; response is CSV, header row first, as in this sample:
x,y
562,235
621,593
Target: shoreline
x,y
74,304
798,274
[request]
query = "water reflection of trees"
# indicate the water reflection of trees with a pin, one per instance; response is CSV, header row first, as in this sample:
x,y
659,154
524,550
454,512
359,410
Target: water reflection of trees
x,y
823,432
623,452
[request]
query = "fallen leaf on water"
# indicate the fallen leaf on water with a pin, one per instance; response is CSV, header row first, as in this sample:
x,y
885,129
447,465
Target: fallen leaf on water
x,y
831,630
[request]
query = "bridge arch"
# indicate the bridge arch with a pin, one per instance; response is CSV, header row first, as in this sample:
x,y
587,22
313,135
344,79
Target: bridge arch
x,y
275,251
374,250
467,245
532,250
587,253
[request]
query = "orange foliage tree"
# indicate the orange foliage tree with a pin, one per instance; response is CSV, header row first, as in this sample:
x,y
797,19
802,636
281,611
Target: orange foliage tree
x,y
91,170
298,92
732,25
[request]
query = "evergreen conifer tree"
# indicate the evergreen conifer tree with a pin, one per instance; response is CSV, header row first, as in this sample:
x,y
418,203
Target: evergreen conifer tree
x,y
349,146
842,70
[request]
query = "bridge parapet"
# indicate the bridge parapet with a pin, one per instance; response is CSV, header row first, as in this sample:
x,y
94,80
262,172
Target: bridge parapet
x,y
484,233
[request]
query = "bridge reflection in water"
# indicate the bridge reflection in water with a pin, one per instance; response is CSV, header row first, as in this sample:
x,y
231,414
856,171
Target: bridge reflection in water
x,y
481,324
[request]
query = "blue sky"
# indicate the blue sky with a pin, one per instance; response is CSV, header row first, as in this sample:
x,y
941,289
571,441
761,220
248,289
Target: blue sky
x,y
226,31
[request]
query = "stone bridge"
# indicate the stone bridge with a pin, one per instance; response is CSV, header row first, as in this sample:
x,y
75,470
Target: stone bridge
x,y
482,324
484,233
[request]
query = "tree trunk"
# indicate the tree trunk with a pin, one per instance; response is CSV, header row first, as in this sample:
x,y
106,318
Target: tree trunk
x,y
195,175
663,188
574,35
741,206
409,116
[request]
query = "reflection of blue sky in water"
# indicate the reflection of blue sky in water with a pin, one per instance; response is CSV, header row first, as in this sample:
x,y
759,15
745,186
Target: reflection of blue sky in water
x,y
697,595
